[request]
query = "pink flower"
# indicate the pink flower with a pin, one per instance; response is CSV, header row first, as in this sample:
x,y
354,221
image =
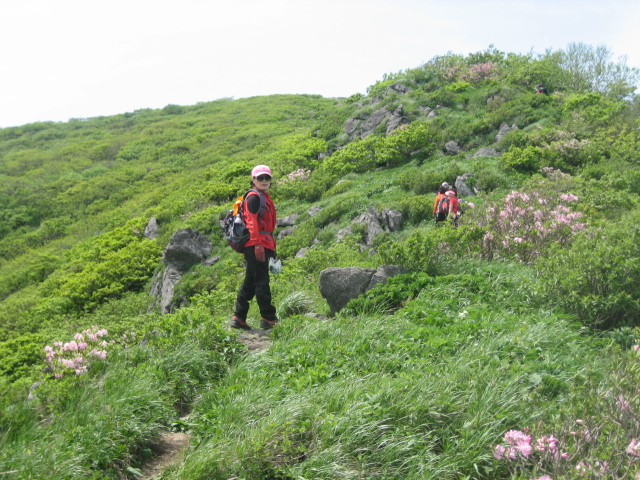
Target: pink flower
x,y
70,346
78,336
622,403
544,477
499,452
634,448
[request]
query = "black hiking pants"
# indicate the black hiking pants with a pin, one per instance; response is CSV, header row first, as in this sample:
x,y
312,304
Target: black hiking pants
x,y
256,284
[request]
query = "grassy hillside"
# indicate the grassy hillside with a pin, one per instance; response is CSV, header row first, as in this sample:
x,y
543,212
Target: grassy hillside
x,y
522,320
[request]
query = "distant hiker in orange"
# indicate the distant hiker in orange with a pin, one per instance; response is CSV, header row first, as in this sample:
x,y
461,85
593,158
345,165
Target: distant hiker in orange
x,y
440,217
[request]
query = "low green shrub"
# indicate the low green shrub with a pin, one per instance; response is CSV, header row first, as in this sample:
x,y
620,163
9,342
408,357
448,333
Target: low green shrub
x,y
596,278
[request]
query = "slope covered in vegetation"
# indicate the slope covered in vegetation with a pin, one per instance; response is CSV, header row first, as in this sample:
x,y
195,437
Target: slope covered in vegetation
x,y
522,320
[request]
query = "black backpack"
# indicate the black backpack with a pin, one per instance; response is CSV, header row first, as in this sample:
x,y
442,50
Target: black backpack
x,y
234,228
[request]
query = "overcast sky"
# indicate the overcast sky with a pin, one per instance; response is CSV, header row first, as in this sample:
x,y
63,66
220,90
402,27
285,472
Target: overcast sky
x,y
63,59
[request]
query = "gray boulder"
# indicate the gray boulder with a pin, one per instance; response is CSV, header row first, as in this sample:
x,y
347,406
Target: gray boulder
x,y
452,148
401,89
504,129
151,230
391,220
486,152
288,221
375,223
186,248
285,232
396,120
464,190
340,285
313,211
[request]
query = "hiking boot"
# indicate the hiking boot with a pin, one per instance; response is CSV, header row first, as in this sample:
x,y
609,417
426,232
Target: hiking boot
x,y
267,324
239,323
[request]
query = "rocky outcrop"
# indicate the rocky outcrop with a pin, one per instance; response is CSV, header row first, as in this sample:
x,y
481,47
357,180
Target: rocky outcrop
x,y
151,230
486,152
186,248
375,223
452,148
396,119
462,185
504,129
340,285
288,221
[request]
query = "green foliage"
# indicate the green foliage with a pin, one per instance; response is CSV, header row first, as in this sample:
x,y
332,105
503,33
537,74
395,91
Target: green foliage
x,y
19,354
431,251
386,298
419,377
525,160
596,279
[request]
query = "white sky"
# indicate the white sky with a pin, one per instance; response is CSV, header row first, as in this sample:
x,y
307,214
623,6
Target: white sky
x,y
62,59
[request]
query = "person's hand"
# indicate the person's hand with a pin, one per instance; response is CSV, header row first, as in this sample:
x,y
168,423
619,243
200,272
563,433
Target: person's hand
x,y
259,251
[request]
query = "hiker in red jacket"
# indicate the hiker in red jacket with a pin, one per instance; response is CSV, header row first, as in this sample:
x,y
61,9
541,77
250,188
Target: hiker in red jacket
x,y
454,206
260,247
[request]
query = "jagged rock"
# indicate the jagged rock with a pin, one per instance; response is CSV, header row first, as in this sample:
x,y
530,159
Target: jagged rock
x,y
402,89
375,223
285,232
340,285
170,278
151,230
373,228
314,210
486,152
504,129
463,189
288,221
351,125
343,232
370,124
186,248
392,220
396,120
211,261
452,148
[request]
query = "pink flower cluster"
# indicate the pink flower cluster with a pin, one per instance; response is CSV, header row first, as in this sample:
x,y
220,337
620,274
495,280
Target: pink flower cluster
x,y
634,448
474,73
598,470
64,357
525,223
480,71
519,444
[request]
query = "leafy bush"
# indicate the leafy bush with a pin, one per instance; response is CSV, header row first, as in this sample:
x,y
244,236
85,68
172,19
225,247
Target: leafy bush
x,y
596,278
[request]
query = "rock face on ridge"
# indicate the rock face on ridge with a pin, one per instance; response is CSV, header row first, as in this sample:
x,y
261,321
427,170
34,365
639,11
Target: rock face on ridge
x,y
186,248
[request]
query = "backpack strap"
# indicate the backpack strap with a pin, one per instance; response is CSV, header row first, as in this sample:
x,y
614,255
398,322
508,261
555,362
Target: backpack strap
x,y
263,200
